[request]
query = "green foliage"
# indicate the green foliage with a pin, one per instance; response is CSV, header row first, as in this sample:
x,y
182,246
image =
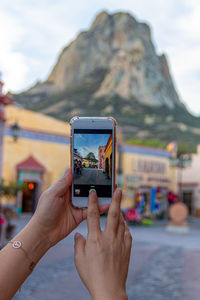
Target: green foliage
x,y
130,114
11,188
155,143
184,148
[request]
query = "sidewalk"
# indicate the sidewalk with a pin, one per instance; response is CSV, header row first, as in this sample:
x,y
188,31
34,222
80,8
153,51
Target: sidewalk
x,y
163,267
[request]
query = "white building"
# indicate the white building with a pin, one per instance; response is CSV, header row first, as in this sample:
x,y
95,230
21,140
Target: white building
x,y
189,184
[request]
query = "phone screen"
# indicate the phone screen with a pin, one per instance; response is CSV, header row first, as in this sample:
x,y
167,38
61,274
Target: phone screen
x,y
92,162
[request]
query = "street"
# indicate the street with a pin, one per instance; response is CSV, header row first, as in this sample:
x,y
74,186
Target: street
x,y
163,267
92,176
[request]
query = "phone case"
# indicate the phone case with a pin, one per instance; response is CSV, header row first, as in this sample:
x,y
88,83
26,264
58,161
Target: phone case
x,y
115,129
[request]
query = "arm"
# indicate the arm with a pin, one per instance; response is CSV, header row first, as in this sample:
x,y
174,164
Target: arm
x,y
102,260
54,219
14,265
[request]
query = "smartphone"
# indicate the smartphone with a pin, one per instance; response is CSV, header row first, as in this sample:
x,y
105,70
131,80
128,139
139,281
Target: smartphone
x,y
93,155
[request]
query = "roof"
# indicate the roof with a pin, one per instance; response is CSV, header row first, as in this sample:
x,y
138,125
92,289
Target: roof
x,y
4,99
30,164
146,150
35,121
110,138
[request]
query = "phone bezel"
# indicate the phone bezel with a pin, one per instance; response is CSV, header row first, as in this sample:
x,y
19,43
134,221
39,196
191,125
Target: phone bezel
x,y
93,123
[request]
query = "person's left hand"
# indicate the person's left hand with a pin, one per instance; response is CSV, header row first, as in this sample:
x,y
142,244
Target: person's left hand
x,y
55,215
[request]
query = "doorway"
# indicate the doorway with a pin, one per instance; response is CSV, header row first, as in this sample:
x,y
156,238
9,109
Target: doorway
x,y
29,197
188,201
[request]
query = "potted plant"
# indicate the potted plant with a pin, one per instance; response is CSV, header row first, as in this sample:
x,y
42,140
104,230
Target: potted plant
x,y
9,190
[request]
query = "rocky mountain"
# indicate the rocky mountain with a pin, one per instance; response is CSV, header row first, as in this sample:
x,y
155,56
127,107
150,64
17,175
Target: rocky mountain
x,y
113,69
91,157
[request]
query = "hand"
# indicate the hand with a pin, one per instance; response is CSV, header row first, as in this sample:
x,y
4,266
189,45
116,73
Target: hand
x,y
55,216
102,260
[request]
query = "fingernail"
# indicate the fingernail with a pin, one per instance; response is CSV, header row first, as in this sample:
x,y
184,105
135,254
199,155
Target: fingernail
x,y
67,171
92,190
119,192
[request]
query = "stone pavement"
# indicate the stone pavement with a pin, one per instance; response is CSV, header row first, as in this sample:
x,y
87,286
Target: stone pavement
x,y
92,176
163,267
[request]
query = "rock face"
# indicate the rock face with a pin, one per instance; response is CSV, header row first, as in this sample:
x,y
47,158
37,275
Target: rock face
x,y
123,46
113,69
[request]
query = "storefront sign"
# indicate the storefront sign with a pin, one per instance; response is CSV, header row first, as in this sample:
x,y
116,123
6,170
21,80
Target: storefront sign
x,y
146,166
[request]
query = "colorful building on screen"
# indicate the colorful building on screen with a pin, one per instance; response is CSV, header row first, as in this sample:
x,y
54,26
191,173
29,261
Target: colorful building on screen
x,y
108,157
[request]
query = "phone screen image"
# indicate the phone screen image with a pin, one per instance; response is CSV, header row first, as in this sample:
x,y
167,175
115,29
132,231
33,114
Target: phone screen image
x,y
92,162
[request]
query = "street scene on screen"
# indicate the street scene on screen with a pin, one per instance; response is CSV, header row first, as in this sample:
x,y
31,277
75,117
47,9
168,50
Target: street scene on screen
x,y
93,159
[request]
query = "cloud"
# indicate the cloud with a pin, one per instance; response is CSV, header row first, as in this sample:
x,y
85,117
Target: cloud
x,y
12,62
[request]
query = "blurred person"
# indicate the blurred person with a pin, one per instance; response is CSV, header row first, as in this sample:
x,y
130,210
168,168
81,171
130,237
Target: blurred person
x,y
102,260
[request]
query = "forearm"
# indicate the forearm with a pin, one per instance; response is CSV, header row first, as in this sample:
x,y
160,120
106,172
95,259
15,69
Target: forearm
x,y
110,297
116,295
14,265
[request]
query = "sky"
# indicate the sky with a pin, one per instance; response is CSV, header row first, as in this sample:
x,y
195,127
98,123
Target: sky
x,y
33,33
86,143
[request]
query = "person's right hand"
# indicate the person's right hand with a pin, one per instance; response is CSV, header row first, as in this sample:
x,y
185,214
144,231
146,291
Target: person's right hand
x,y
102,260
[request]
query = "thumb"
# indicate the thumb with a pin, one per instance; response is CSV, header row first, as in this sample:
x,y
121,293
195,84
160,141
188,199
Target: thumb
x,y
79,245
60,187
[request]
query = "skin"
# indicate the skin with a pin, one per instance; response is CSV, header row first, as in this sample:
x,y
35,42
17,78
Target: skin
x,y
54,219
102,260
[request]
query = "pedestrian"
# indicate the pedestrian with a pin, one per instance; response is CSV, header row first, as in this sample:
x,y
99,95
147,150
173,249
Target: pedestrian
x,y
102,260
80,167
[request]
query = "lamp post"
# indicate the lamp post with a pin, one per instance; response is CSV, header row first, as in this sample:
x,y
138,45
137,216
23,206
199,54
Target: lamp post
x,y
184,160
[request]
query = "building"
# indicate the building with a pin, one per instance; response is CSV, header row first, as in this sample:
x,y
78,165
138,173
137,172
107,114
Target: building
x,y
78,157
189,184
108,157
101,162
147,178
41,155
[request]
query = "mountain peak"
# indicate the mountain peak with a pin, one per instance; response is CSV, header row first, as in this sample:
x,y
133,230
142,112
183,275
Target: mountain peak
x,y
121,48
100,19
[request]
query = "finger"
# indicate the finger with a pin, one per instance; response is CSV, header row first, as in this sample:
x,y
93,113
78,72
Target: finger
x,y
121,227
127,237
104,208
79,245
114,212
93,217
80,213
60,187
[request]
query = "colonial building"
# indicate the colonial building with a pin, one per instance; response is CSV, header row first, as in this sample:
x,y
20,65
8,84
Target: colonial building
x,y
147,177
189,184
39,156
101,162
108,157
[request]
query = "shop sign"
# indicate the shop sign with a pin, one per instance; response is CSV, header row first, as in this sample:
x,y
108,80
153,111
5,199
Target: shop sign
x,y
146,166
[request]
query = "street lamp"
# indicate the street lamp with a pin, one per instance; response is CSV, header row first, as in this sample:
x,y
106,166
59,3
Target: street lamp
x,y
184,160
15,131
181,162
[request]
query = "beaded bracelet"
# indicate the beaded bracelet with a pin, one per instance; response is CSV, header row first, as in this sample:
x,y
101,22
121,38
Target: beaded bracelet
x,y
18,245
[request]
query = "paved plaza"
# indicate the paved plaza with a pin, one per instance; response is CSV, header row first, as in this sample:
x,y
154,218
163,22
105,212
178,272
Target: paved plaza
x,y
92,176
163,267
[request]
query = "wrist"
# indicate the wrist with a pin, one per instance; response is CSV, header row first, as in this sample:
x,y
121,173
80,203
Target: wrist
x,y
117,295
33,240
